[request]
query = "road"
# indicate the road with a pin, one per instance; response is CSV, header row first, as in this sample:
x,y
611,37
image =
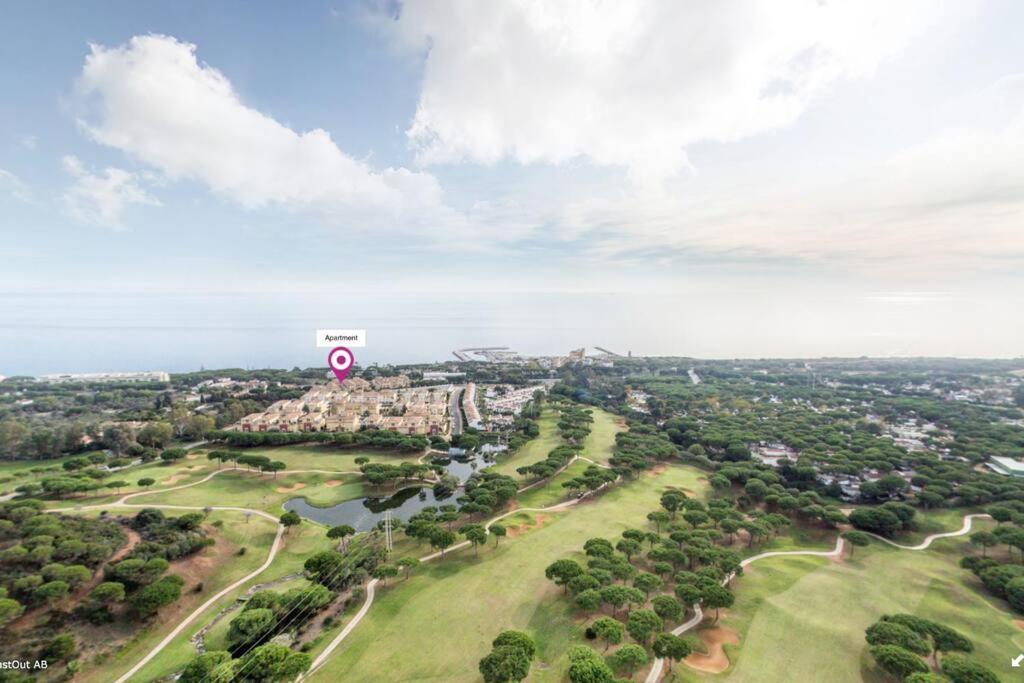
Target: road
x,y
455,408
655,674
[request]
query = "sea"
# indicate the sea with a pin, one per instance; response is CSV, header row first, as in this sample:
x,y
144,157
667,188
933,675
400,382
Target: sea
x,y
88,332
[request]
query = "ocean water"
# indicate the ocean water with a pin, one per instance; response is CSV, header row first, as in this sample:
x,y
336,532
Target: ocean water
x,y
74,332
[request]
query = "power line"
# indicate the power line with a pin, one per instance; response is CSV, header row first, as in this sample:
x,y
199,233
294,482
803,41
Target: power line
x,y
288,618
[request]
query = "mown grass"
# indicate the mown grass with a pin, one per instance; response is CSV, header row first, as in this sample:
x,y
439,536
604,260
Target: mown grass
x,y
438,624
803,618
216,567
600,443
259,491
534,450
299,544
323,457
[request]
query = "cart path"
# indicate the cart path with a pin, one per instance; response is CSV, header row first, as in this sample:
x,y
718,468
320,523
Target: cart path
x,y
205,606
656,669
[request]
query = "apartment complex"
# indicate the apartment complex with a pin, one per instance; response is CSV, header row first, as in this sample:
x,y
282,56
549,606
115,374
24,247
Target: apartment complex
x,y
358,404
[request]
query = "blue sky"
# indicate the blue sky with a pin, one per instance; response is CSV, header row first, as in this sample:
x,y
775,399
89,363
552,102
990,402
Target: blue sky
x,y
791,147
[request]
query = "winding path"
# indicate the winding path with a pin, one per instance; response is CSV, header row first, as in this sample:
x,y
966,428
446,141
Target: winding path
x,y
371,586
655,673
274,548
206,605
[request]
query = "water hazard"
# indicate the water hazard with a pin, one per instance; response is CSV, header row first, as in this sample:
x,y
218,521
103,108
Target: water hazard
x,y
363,513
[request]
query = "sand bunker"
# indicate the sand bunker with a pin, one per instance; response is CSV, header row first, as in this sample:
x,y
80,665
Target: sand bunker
x,y
174,479
192,456
538,521
1019,623
289,489
715,661
333,482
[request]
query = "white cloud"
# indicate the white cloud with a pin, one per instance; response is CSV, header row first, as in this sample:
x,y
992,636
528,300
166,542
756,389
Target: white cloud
x,y
13,185
154,101
955,200
29,141
633,83
100,199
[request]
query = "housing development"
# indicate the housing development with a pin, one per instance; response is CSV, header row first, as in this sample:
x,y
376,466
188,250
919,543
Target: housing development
x,y
512,341
406,484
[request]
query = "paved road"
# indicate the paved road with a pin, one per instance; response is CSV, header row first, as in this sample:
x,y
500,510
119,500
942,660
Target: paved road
x,y
455,408
698,616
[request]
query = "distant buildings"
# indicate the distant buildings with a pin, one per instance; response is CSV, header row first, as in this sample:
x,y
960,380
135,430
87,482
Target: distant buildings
x,y
1006,466
502,354
503,402
771,453
397,382
358,404
469,407
156,376
433,376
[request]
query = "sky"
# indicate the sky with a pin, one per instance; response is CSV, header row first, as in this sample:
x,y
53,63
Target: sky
x,y
861,162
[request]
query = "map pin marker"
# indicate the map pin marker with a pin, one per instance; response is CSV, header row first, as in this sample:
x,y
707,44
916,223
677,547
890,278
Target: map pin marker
x,y
340,361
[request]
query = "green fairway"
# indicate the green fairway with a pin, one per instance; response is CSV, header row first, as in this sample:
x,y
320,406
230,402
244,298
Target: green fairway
x,y
450,610
600,442
534,450
551,491
260,491
803,618
313,457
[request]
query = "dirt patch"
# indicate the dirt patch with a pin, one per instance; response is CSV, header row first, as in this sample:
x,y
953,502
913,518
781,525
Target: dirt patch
x,y
30,618
657,469
192,456
174,479
289,489
538,521
331,483
1019,623
714,661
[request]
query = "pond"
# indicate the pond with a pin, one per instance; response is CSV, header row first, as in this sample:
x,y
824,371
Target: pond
x,y
362,514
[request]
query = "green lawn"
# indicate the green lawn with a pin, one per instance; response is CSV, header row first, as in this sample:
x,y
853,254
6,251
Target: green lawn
x,y
534,450
312,457
601,440
473,598
260,491
799,617
551,491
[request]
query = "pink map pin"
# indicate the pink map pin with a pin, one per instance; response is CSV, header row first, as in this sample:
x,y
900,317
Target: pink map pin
x,y
340,361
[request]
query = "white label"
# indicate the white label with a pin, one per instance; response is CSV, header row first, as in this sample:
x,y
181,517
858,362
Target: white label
x,y
331,338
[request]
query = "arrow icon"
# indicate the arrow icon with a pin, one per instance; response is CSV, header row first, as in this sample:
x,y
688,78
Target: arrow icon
x,y
1015,662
